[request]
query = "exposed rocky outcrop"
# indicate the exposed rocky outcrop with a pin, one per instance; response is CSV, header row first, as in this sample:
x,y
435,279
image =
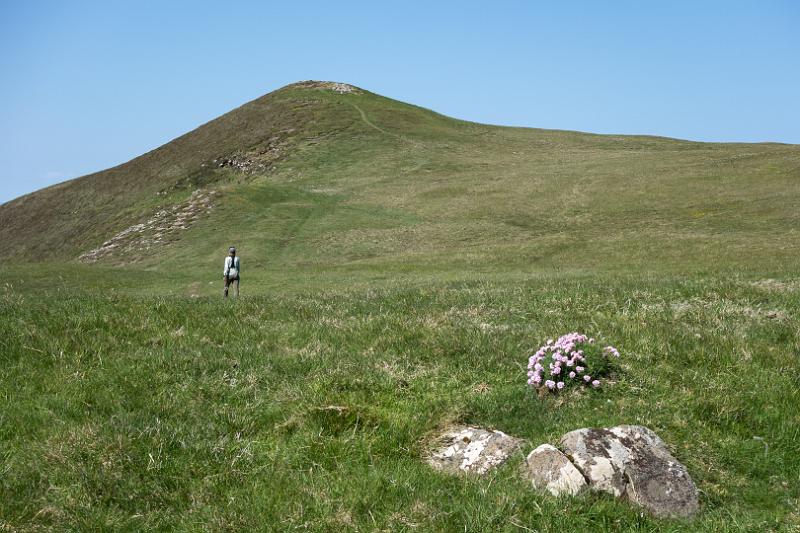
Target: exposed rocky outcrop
x,y
329,85
259,158
163,226
241,163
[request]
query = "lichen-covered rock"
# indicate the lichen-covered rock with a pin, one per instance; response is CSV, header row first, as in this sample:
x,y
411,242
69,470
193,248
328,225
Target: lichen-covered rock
x,y
599,456
469,449
549,469
633,462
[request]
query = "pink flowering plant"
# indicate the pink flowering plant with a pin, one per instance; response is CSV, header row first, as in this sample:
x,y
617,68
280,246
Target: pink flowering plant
x,y
573,360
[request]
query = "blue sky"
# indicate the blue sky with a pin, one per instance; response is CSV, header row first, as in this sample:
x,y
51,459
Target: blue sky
x,y
88,85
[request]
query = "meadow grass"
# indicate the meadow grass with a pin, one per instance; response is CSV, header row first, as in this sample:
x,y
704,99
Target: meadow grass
x,y
398,268
310,409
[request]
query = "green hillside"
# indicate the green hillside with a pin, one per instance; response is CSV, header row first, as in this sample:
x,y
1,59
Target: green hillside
x,y
399,267
309,177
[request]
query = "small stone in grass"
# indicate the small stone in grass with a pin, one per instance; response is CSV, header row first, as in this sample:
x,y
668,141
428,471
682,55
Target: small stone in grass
x,y
549,469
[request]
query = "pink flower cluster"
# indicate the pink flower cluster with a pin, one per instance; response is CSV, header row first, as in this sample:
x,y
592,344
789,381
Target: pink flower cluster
x,y
610,350
568,360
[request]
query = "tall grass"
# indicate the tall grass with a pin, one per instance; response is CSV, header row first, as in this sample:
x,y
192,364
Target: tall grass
x,y
142,412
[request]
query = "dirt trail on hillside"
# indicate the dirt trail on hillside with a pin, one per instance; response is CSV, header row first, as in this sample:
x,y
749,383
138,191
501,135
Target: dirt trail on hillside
x,y
371,124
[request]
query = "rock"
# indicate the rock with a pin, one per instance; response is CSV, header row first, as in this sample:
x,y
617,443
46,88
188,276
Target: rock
x,y
633,462
330,85
598,457
469,449
164,223
549,469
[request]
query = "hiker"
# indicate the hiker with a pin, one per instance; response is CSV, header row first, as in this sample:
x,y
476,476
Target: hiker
x,y
231,272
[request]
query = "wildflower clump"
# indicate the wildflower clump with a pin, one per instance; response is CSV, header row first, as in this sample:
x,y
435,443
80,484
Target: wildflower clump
x,y
572,360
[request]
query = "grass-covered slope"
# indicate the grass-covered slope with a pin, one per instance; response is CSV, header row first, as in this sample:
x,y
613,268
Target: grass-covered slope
x,y
60,221
399,266
312,178
139,414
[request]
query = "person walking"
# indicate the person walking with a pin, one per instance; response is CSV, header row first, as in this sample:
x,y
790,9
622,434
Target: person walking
x,y
231,271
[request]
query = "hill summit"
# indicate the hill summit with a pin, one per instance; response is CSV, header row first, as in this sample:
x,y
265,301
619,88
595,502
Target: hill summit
x,y
328,174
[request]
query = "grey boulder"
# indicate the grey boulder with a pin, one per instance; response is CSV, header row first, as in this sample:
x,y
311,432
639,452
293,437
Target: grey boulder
x,y
470,449
634,463
549,469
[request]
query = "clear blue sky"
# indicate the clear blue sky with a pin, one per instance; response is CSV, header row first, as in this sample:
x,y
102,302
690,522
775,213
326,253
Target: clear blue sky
x,y
87,85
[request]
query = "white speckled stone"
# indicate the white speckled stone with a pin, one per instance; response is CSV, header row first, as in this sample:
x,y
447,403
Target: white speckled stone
x,y
470,449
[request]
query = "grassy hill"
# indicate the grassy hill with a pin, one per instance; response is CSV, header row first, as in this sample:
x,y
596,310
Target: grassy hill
x,y
309,177
401,266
